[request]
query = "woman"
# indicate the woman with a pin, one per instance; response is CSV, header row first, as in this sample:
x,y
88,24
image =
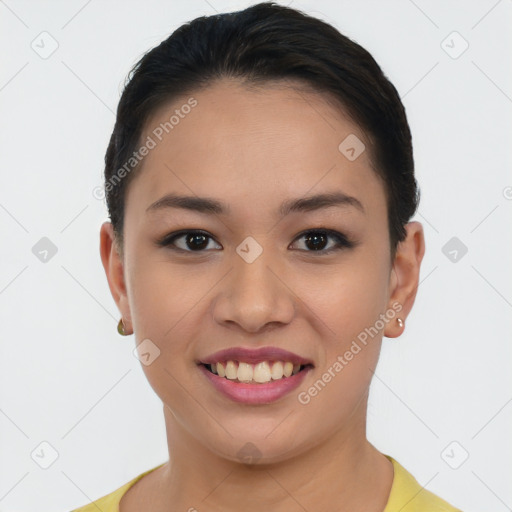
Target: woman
x,y
260,185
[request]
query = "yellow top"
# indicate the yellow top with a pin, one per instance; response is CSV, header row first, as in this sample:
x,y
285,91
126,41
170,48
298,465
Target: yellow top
x,y
406,495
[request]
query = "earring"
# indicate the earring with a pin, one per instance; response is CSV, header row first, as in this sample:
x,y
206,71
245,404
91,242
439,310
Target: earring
x,y
400,322
120,328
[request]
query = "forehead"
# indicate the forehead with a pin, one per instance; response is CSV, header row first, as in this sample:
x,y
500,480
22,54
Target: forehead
x,y
251,146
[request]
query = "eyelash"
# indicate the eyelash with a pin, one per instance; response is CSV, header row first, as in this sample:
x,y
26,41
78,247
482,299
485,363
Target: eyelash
x,y
342,241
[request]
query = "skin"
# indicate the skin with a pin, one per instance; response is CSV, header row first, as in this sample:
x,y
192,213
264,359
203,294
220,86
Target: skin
x,y
253,149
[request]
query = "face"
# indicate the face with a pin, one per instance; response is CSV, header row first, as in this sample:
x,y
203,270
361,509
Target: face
x,y
262,268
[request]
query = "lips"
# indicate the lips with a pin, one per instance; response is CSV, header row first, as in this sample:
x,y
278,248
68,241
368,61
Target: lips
x,y
253,356
252,393
232,372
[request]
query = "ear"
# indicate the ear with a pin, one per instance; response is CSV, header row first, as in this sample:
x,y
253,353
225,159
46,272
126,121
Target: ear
x,y
114,269
404,276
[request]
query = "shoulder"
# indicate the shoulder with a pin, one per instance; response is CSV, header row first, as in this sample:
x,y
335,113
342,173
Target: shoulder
x,y
407,495
110,502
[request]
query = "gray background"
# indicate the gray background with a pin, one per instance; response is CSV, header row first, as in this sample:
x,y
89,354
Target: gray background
x,y
442,391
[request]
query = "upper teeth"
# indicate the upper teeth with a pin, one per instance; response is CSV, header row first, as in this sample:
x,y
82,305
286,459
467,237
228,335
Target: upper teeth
x,y
259,372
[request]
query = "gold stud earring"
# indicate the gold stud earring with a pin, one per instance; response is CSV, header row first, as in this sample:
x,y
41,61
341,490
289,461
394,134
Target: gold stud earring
x,y
120,328
400,322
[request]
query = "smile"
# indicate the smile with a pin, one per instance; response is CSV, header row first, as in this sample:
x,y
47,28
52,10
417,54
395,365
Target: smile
x,y
250,391
259,373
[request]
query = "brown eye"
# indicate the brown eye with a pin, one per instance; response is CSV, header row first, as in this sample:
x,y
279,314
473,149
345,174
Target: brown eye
x,y
189,241
318,241
196,241
321,241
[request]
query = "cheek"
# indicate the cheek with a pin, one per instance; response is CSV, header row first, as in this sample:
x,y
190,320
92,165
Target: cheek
x,y
349,302
162,294
169,306
348,297
165,301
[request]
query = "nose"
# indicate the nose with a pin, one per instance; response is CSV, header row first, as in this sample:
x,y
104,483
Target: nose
x,y
255,296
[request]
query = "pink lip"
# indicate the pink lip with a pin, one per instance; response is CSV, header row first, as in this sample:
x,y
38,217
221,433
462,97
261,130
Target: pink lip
x,y
255,393
254,355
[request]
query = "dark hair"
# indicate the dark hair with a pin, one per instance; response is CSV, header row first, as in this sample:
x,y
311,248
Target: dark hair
x,y
264,43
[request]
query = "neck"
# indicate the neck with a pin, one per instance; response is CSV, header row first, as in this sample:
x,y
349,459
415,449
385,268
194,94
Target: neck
x,y
344,469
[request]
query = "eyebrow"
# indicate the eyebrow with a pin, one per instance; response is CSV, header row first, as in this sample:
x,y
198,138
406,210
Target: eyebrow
x,y
212,206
